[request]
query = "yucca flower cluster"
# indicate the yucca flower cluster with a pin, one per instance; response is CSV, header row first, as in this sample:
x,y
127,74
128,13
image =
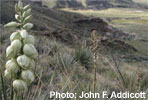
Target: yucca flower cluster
x,y
21,53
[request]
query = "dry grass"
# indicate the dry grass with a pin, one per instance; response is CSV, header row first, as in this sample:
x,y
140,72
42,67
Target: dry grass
x,y
67,74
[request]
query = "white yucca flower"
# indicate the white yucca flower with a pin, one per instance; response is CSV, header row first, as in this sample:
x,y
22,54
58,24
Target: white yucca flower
x,y
24,34
12,24
26,7
8,74
16,45
12,66
10,52
26,13
19,85
15,36
23,61
27,76
28,26
29,40
30,50
20,4
28,18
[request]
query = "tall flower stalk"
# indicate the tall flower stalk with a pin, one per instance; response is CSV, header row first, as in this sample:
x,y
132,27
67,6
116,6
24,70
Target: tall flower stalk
x,y
94,49
21,53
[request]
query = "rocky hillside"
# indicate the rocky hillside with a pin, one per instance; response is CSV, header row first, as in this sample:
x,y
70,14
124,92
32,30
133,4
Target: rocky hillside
x,y
51,21
69,28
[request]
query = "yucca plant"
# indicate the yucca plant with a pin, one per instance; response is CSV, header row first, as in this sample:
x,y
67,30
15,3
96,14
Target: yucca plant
x,y
83,55
21,53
